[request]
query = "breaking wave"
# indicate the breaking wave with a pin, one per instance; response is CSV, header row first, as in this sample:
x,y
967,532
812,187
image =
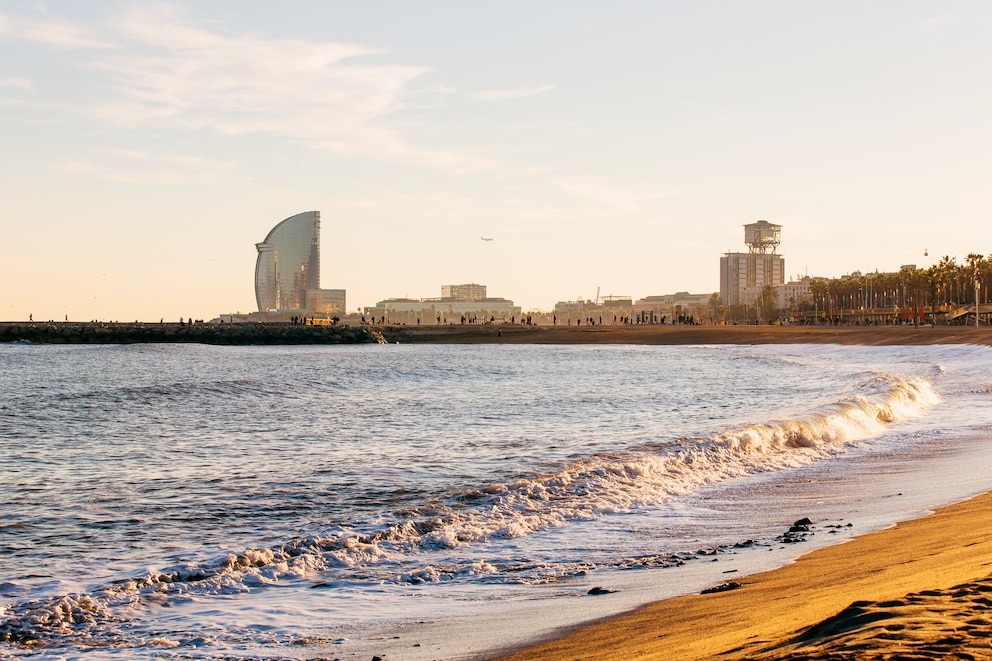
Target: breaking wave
x,y
587,489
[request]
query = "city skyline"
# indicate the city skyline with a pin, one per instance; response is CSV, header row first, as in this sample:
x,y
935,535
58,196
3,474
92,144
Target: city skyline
x,y
148,146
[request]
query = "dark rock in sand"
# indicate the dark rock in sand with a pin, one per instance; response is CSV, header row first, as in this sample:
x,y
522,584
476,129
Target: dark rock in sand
x,y
598,590
729,585
798,532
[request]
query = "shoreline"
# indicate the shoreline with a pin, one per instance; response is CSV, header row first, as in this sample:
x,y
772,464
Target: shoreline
x,y
920,589
288,334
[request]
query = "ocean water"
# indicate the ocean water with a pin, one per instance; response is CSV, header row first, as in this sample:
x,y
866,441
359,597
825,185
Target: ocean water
x,y
441,502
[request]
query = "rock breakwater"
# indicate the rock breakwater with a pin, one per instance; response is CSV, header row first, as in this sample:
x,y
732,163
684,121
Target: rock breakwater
x,y
200,333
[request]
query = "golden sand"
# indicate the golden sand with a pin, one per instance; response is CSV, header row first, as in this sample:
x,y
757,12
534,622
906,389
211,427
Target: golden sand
x,y
919,590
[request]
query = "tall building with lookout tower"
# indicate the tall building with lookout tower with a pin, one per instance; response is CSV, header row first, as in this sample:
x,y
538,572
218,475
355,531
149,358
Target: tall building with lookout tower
x,y
743,275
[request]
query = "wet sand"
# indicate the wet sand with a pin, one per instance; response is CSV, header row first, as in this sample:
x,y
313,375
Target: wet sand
x,y
919,590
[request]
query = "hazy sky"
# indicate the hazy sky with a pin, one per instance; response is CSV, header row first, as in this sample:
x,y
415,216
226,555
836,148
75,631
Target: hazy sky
x,y
619,146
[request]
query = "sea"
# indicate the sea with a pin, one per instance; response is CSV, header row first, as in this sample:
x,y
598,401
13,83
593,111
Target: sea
x,y
418,502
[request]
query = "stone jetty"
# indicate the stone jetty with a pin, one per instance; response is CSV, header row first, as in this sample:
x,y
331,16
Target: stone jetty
x,y
286,333
201,333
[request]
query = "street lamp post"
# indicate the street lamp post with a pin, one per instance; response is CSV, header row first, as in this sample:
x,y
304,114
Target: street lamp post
x,y
978,285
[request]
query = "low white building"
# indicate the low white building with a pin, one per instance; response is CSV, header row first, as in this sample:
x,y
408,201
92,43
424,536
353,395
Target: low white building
x,y
441,311
458,304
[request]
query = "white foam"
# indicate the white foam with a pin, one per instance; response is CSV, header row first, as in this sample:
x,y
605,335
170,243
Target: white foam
x,y
579,491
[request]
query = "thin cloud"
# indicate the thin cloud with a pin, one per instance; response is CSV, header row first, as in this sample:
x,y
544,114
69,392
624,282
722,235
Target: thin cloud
x,y
621,198
120,165
245,84
169,158
510,94
15,81
52,33
167,72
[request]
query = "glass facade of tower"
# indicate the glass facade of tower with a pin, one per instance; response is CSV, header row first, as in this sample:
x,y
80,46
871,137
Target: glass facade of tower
x,y
288,263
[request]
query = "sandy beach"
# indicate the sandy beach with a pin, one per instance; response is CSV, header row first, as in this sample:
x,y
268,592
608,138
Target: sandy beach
x,y
684,335
919,590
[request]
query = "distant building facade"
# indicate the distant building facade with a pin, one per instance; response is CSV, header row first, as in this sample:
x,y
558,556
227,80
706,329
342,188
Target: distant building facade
x,y
287,272
326,303
793,294
678,305
743,275
470,292
670,302
607,310
457,303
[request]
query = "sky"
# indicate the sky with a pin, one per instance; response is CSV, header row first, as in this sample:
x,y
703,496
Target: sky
x,y
614,147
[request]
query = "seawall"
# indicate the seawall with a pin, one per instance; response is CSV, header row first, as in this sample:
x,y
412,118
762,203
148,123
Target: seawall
x,y
202,333
285,333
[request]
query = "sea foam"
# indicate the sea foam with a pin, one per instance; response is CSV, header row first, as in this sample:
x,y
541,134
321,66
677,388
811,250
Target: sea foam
x,y
580,490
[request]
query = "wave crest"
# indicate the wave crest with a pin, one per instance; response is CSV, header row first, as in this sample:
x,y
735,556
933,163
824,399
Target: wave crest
x,y
580,490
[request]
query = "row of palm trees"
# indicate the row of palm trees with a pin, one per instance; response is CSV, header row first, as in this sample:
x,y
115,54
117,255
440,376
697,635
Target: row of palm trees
x,y
943,287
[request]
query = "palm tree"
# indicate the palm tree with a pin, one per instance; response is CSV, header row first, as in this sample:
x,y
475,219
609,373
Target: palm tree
x,y
819,290
769,298
974,261
715,308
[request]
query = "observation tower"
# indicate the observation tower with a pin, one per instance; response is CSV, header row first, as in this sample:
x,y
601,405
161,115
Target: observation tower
x,y
762,237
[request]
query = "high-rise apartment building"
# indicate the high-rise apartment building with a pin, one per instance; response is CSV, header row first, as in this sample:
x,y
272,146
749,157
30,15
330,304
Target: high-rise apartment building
x,y
743,275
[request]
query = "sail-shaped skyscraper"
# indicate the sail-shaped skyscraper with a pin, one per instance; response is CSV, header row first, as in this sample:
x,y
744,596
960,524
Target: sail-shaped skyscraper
x,y
287,273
